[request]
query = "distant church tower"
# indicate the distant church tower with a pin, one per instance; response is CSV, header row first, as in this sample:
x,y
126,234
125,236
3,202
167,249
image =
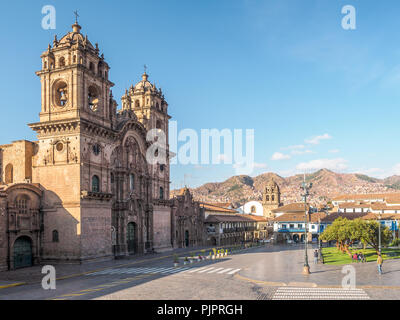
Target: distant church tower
x,y
151,109
271,198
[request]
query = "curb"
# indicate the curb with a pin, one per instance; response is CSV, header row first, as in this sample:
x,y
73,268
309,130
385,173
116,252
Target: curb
x,y
12,285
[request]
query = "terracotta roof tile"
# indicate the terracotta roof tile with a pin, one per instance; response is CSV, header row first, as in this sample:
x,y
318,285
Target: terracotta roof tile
x,y
210,207
291,207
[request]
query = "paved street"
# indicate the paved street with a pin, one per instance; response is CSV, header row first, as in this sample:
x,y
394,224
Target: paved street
x,y
266,273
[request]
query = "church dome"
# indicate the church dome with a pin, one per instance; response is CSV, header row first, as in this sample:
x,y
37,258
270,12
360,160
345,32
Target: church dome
x,y
75,37
145,84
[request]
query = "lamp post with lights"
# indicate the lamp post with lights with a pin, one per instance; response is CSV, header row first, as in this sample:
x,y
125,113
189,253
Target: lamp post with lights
x,y
380,246
306,187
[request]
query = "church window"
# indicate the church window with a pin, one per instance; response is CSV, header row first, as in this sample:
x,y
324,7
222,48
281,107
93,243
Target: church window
x,y
61,62
91,66
93,99
9,173
61,93
137,104
55,236
132,181
106,75
161,193
272,198
96,149
59,146
21,203
267,197
158,124
74,59
112,178
253,209
162,167
95,184
45,64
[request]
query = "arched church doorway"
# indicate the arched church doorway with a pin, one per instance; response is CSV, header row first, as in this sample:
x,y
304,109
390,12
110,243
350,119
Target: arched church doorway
x,y
302,238
296,238
22,252
187,241
131,237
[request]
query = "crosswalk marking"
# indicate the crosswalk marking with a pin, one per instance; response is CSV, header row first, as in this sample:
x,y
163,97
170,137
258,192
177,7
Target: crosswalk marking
x,y
234,271
205,270
288,293
166,270
197,269
218,269
224,271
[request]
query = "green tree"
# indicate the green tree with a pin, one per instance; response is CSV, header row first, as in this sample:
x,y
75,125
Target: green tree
x,y
369,234
346,232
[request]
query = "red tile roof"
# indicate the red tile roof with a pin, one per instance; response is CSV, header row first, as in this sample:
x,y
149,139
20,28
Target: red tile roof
x,y
213,208
370,196
300,217
292,207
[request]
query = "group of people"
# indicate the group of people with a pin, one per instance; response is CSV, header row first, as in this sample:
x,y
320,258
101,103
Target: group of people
x,y
359,257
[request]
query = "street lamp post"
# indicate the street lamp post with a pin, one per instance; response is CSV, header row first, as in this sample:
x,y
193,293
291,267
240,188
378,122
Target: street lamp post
x,y
306,187
380,217
319,240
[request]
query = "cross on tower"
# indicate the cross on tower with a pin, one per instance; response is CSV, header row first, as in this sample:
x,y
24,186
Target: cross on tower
x,y
145,69
76,16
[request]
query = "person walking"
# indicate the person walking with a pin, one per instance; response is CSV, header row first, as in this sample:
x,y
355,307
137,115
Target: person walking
x,y
380,262
315,256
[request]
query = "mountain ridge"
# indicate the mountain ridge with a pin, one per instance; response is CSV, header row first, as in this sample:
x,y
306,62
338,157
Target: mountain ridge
x,y
326,185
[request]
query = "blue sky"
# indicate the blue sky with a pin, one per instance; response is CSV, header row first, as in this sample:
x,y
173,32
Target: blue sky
x,y
315,94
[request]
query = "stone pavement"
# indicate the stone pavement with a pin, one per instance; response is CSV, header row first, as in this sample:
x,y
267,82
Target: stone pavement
x,y
283,265
63,271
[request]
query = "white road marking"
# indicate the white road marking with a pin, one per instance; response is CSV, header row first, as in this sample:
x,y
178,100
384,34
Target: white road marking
x,y
218,269
205,270
234,271
225,270
288,293
197,269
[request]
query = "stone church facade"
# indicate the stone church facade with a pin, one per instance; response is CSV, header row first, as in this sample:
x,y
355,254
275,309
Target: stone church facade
x,y
85,190
188,221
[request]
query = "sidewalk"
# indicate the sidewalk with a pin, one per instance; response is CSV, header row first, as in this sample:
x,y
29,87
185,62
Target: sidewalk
x,y
64,271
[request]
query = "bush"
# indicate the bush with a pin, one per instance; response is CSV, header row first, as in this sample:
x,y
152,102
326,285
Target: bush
x,y
395,243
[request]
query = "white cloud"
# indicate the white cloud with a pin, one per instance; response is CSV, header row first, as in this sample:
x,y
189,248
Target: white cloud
x,y
260,165
396,169
280,156
296,147
299,152
317,139
330,164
